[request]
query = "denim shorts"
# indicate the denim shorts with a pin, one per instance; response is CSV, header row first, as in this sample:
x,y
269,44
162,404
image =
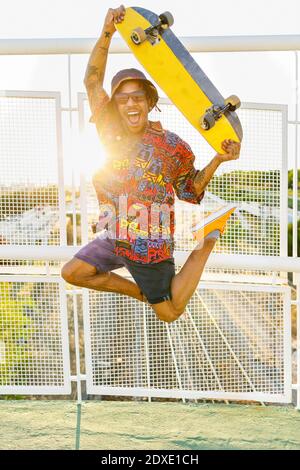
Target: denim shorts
x,y
154,279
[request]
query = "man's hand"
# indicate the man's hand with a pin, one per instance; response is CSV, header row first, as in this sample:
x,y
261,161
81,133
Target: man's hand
x,y
114,15
232,151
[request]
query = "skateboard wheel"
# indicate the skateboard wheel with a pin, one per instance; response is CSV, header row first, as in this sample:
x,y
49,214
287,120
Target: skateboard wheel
x,y
138,36
233,101
207,121
167,19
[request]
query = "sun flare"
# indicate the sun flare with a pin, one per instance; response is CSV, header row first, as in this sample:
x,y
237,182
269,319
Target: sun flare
x,y
86,152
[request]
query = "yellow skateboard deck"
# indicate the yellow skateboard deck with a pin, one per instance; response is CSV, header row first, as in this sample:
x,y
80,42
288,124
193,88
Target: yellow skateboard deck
x,y
175,71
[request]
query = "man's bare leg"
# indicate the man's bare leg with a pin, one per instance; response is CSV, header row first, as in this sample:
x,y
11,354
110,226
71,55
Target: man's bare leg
x,y
185,282
82,274
183,285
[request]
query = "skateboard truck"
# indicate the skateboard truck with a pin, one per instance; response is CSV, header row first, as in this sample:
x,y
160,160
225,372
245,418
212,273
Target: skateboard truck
x,y
139,35
215,112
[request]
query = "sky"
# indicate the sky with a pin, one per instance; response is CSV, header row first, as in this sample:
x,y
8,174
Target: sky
x,y
74,18
258,77
255,77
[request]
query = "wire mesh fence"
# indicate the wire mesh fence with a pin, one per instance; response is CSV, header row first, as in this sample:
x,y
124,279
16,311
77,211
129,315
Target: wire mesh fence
x,y
33,336
231,342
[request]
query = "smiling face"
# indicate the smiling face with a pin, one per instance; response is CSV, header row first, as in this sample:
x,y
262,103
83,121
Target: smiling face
x,y
133,108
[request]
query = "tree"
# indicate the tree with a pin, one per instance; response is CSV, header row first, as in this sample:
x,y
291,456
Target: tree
x,y
15,330
290,179
290,239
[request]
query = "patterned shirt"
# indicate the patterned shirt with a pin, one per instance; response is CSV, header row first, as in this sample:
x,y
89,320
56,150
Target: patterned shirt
x,y
139,182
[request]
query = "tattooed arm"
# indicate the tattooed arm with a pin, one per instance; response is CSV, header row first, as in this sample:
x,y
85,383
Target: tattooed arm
x,y
95,71
203,177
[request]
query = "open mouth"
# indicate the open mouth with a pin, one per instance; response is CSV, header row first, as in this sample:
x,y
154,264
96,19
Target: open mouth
x,y
133,117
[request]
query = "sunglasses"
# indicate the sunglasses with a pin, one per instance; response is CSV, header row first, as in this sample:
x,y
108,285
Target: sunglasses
x,y
138,95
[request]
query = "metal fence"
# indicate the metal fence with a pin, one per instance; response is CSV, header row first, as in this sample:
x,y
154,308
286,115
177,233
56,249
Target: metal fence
x,y
233,343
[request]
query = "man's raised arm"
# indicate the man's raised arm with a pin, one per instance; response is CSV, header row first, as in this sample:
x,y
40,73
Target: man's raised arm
x,y
204,176
94,75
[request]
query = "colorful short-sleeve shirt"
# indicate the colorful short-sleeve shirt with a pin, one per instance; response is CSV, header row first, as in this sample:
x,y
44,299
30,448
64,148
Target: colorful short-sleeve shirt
x,y
136,187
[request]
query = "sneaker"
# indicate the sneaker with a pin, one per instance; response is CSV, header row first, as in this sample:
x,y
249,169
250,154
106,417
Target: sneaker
x,y
214,221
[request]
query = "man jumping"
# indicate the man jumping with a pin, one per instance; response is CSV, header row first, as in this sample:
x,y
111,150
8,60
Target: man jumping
x,y
145,166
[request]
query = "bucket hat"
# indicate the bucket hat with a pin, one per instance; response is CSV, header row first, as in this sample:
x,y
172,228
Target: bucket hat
x,y
134,74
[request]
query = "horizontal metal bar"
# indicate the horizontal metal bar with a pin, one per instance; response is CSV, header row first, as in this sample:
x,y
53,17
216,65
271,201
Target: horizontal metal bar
x,y
193,394
252,262
23,46
29,278
74,378
69,109
74,291
35,389
27,94
249,262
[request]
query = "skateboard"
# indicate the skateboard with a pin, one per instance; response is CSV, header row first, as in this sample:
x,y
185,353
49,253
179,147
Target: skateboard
x,y
175,71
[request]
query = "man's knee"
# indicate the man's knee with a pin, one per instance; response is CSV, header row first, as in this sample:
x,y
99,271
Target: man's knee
x,y
67,272
77,272
167,318
169,314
